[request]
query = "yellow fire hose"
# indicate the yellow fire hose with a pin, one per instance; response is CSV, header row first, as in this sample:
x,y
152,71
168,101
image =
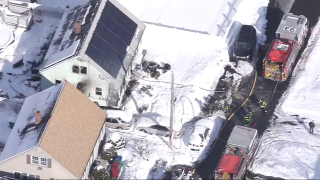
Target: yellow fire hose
x,y
251,91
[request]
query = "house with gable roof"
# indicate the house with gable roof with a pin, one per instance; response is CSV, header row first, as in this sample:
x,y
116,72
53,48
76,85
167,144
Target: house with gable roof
x,y
93,48
57,135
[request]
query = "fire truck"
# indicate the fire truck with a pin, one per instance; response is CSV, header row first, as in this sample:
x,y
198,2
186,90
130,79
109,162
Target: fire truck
x,y
290,36
240,148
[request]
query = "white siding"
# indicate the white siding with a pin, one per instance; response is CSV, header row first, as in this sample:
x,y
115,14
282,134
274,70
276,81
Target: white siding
x,y
19,164
95,153
91,80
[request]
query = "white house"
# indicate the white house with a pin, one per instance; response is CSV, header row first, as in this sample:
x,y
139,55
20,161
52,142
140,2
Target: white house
x,y
57,135
93,48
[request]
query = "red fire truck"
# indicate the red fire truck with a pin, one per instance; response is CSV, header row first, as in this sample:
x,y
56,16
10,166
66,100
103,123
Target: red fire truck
x,y
290,36
240,148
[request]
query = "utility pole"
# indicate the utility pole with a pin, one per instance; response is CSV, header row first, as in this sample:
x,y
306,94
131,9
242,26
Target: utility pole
x,y
171,110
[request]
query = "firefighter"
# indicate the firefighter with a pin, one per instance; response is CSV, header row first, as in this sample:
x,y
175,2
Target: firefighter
x,y
262,106
226,110
247,118
311,126
217,106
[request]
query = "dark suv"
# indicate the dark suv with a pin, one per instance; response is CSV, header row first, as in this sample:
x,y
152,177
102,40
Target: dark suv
x,y
245,43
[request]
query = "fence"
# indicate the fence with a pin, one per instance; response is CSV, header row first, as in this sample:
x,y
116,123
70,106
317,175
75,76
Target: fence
x,y
224,17
17,15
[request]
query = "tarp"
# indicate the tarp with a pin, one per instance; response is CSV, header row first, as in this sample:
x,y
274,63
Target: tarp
x,y
229,164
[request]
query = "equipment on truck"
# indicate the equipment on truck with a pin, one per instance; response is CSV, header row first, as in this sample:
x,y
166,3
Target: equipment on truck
x,y
239,151
290,36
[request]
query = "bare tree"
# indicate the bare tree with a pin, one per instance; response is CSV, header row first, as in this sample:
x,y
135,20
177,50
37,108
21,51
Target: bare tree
x,y
142,147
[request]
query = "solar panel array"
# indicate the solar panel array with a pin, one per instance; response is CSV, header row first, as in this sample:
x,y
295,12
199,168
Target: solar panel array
x,y
75,14
114,32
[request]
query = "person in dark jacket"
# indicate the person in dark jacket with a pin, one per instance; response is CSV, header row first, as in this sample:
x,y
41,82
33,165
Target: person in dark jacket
x,y
311,126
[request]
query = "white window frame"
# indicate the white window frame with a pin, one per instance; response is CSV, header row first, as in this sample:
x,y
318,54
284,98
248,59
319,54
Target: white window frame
x,y
39,161
16,172
46,160
32,160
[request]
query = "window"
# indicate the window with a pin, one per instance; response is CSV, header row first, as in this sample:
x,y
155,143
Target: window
x,y
83,70
75,69
114,121
43,161
16,175
57,82
35,160
98,91
108,120
39,161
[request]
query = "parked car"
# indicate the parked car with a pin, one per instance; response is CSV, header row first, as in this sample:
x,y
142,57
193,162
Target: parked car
x,y
118,119
198,136
155,129
158,125
245,43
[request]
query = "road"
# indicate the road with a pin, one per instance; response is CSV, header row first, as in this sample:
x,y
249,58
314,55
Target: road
x,y
310,10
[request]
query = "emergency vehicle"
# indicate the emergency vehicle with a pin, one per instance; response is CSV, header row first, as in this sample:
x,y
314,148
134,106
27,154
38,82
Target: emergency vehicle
x,y
290,36
240,148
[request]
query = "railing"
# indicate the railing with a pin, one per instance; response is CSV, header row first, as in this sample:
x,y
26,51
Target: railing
x,y
16,19
224,17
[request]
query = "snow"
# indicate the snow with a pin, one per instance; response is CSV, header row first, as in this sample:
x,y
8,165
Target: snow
x,y
60,3
26,47
197,62
44,102
99,167
125,116
287,149
115,137
9,109
6,36
187,14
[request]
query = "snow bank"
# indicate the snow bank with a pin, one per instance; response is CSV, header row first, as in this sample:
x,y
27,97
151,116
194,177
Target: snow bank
x,y
6,36
303,97
287,149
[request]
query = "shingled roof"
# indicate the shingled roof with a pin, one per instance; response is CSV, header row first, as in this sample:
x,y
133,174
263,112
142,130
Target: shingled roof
x,y
70,132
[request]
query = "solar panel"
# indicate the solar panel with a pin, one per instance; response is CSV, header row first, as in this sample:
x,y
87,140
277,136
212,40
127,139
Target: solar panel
x,y
69,16
113,33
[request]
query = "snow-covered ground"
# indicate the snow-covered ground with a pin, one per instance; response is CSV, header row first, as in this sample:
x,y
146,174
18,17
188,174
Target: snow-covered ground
x,y
288,150
143,152
197,62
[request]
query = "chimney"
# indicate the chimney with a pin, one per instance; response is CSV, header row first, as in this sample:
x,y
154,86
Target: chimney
x,y
78,27
38,117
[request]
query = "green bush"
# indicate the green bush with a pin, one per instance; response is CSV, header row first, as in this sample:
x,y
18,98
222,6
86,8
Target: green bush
x,y
109,154
100,174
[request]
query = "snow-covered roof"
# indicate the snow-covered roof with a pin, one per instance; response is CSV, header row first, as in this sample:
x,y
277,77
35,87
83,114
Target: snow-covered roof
x,y
26,134
192,15
65,42
126,116
69,128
